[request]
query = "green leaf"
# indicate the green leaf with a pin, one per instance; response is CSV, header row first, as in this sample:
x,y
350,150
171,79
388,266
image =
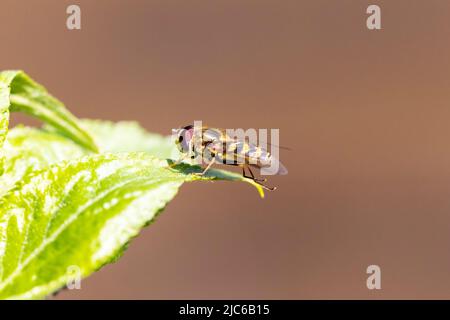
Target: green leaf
x,y
27,150
61,206
18,92
6,78
30,149
82,213
129,136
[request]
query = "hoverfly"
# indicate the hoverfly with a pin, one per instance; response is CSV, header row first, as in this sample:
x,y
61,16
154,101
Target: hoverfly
x,y
216,146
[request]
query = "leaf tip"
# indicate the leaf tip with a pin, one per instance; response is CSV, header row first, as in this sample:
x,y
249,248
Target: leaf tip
x,y
258,187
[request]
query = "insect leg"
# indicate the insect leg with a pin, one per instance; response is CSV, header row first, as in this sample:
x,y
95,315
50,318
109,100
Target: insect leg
x,y
245,175
253,176
207,167
266,187
258,181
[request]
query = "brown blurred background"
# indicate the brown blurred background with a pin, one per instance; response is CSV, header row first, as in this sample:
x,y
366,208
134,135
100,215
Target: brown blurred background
x,y
367,114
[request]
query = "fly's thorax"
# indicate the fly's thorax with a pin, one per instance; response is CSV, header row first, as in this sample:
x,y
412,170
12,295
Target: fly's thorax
x,y
206,144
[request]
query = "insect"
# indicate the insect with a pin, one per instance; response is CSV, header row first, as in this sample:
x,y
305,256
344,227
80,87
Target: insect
x,y
216,146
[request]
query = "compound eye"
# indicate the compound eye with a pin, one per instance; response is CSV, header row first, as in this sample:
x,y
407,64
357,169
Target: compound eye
x,y
180,139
